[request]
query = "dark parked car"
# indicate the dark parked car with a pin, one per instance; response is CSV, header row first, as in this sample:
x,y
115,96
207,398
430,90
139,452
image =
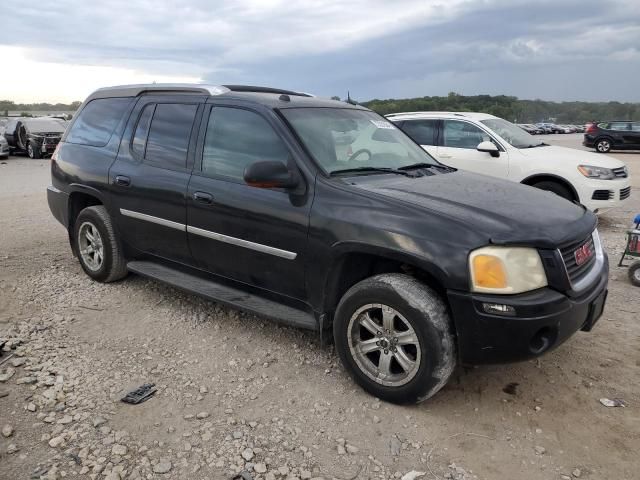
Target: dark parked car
x,y
36,137
615,135
243,195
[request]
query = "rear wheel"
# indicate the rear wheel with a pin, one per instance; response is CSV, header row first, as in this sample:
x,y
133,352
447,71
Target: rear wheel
x,y
603,145
97,246
394,336
555,187
634,273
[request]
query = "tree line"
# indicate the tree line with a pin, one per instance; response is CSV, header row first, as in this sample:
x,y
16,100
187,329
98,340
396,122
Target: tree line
x,y
512,108
7,106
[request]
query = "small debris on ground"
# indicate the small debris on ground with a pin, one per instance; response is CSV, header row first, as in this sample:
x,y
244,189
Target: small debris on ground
x,y
616,402
140,394
511,388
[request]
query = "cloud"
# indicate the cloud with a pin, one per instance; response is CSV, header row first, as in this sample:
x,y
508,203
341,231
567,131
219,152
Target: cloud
x,y
376,48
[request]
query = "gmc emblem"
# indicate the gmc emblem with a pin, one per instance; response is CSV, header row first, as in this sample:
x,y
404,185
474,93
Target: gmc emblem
x,y
583,254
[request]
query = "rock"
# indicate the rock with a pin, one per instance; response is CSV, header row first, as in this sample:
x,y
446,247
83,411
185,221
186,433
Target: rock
x,y
18,362
305,475
341,450
7,431
202,415
55,442
12,448
247,454
118,449
412,475
114,475
9,372
32,407
260,468
65,420
26,381
352,449
99,421
539,450
284,470
376,419
163,466
576,473
270,476
395,446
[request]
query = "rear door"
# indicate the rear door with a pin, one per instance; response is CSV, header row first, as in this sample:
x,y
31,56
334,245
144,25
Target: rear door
x,y
256,236
458,142
635,135
150,176
424,132
621,133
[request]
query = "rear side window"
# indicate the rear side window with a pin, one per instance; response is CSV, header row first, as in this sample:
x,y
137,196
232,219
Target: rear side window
x,y
142,130
169,135
97,121
236,138
635,127
423,132
620,126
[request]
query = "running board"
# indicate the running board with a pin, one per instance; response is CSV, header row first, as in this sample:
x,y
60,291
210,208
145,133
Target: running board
x,y
225,295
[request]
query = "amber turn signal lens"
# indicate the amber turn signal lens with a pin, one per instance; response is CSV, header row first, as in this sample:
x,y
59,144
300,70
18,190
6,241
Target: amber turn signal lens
x,y
488,272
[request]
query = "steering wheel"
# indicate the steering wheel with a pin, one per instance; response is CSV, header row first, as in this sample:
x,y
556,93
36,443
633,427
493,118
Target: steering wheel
x,y
358,153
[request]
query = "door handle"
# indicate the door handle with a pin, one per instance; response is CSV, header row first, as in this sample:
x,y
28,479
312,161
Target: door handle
x,y
203,197
122,181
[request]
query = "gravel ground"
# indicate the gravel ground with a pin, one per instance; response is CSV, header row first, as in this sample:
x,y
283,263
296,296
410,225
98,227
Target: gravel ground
x,y
236,392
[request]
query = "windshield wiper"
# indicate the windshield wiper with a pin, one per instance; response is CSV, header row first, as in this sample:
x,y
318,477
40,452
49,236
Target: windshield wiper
x,y
425,165
373,170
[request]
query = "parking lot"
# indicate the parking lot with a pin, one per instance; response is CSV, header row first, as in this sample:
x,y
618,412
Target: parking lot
x,y
236,391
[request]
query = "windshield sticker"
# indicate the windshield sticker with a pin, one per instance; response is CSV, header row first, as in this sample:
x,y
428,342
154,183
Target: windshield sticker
x,y
383,124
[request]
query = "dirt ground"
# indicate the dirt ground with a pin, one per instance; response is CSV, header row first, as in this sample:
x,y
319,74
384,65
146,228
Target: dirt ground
x,y
237,392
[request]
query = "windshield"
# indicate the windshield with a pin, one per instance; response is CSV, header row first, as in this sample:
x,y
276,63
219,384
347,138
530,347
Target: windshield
x,y
341,138
511,133
45,125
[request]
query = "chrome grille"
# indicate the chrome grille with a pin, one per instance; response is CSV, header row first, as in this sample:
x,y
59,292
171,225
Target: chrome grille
x,y
620,172
577,272
625,192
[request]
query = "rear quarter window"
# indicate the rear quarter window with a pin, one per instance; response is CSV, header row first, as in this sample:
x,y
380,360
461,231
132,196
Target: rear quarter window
x,y
97,121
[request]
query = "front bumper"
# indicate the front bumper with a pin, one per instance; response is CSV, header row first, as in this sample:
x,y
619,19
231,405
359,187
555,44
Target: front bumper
x,y
601,195
543,320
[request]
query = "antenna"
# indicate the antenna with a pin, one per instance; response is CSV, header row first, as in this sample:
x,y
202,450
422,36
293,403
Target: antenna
x,y
349,100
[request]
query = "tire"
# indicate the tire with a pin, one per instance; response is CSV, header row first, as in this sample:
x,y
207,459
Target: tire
x,y
109,264
603,145
415,312
33,153
634,273
557,188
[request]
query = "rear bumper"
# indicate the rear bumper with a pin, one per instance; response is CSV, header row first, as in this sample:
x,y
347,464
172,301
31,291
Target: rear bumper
x,y
543,320
58,204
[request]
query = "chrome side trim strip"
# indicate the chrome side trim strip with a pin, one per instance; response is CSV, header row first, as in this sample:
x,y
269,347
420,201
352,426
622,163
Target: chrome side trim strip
x,y
152,219
242,243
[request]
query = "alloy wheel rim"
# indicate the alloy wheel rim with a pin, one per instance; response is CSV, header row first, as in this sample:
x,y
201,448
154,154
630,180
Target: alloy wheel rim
x,y
636,274
603,146
90,246
384,345
30,150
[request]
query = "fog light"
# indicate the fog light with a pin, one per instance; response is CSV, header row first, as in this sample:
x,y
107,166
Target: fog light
x,y
499,309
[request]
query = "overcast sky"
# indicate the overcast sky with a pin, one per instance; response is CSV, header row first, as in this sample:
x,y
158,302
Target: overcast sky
x,y
61,50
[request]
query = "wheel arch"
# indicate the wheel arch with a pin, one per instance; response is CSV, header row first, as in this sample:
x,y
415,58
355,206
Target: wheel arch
x,y
550,177
354,263
80,197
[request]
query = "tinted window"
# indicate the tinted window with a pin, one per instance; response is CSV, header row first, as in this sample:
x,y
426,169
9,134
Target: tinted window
x,y
463,135
236,138
622,126
635,127
422,132
169,135
140,137
97,121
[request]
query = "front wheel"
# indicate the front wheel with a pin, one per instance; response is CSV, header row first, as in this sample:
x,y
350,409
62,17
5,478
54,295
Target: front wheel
x,y
394,336
603,145
97,246
33,152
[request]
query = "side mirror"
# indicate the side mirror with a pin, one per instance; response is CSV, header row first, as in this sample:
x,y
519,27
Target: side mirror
x,y
488,147
270,174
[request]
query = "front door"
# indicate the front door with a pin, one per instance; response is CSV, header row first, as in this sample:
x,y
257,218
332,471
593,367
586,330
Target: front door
x,y
257,236
423,132
457,148
150,176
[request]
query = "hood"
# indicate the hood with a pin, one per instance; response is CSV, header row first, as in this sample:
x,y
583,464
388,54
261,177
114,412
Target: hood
x,y
571,156
500,211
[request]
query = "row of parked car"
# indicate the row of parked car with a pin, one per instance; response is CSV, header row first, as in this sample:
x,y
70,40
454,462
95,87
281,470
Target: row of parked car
x,y
34,136
545,128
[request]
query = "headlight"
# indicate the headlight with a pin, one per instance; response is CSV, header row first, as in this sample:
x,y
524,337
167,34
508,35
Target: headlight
x,y
506,270
596,172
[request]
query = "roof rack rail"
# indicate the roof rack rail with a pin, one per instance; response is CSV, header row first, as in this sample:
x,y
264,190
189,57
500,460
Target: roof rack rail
x,y
138,89
256,89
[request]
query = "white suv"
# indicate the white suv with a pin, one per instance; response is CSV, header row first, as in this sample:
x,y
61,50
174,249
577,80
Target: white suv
x,y
486,144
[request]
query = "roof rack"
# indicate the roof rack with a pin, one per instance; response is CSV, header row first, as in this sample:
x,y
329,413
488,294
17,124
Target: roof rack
x,y
426,112
135,90
255,89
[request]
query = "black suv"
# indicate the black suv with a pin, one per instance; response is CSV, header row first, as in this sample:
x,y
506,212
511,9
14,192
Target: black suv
x,y
607,136
324,215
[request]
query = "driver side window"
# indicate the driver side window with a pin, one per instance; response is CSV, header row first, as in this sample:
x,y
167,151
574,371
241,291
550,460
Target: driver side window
x,y
458,134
